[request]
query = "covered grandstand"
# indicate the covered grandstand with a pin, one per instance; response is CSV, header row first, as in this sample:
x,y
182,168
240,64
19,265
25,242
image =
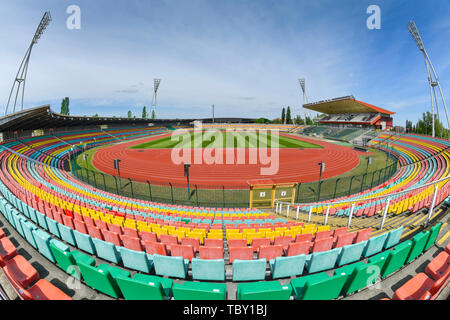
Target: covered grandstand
x,y
347,111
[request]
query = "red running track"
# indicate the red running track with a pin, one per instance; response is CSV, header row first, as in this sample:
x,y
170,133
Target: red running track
x,y
295,165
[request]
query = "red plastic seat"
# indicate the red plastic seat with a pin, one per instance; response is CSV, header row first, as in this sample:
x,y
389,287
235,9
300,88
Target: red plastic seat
x,y
94,232
417,288
2,233
130,232
241,253
80,226
237,243
304,237
112,237
168,239
447,248
68,222
132,243
7,250
439,266
345,239
284,241
43,290
148,236
155,247
21,271
258,242
322,245
270,252
115,228
181,250
101,224
213,243
337,232
210,252
88,221
363,235
323,234
194,242
296,248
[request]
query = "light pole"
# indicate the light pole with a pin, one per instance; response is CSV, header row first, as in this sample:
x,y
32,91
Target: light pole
x,y
322,168
186,174
117,167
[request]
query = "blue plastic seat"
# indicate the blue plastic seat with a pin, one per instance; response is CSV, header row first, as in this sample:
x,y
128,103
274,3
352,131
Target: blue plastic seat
x,y
320,261
106,250
84,242
28,228
43,239
53,227
247,270
283,267
205,269
170,266
393,237
136,260
375,245
67,234
351,253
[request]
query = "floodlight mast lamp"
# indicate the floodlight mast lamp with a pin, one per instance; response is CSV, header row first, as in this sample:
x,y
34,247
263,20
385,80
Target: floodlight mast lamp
x,y
155,95
302,82
21,76
430,73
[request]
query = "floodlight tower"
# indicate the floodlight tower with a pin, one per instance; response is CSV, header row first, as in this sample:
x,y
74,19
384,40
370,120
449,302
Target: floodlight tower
x,y
155,95
302,82
433,79
21,77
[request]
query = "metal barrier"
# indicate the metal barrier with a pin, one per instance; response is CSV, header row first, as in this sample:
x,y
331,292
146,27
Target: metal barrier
x,y
441,184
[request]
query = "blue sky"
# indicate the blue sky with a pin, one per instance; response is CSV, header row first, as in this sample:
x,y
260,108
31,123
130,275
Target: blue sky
x,y
244,56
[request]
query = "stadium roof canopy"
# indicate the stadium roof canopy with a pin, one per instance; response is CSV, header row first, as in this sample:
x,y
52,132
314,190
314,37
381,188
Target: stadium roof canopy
x,y
345,105
44,118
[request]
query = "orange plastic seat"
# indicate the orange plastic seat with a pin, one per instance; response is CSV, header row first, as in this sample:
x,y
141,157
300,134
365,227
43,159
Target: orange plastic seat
x,y
284,241
270,252
148,236
7,250
439,266
210,252
296,248
345,239
258,242
213,242
241,253
44,290
132,243
237,242
323,234
322,245
21,271
155,247
182,250
194,242
416,288
304,237
363,235
112,237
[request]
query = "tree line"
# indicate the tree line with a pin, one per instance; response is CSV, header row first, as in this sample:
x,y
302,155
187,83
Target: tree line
x,y
424,126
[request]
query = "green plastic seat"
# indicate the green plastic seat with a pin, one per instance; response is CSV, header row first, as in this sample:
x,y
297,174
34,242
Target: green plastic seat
x,y
362,275
397,258
199,291
102,277
144,287
419,242
298,284
434,232
323,289
264,290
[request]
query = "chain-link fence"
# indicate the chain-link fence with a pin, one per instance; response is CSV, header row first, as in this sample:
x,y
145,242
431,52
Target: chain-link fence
x,y
225,196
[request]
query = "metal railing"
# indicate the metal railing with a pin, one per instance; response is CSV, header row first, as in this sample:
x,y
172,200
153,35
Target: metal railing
x,y
281,205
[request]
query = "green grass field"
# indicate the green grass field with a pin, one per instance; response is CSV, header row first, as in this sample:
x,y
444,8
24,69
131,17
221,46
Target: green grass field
x,y
225,140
